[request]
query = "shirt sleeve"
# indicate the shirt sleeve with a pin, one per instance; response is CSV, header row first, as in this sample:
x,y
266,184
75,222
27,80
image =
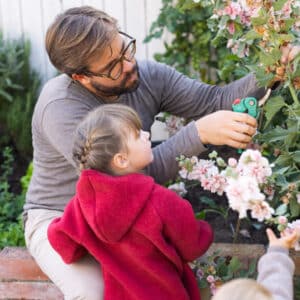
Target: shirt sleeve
x,y
275,272
190,237
192,99
59,123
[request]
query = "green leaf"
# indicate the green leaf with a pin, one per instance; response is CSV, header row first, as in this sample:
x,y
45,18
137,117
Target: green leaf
x,y
294,208
251,35
296,154
278,5
281,209
200,215
6,95
284,160
272,107
234,264
275,135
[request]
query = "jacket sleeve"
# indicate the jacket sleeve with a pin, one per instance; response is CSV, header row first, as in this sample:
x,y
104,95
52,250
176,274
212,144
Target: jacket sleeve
x,y
190,237
63,240
275,272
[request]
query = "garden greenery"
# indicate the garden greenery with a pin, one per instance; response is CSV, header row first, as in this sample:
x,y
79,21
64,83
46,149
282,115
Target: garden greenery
x,y
249,35
11,203
19,86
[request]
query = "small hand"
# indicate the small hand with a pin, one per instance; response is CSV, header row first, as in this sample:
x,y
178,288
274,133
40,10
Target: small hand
x,y
287,241
227,128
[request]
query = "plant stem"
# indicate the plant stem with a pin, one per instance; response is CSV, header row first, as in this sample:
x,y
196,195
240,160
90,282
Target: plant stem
x,y
293,93
237,229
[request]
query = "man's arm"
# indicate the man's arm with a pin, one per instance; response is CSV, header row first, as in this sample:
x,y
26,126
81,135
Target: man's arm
x,y
182,96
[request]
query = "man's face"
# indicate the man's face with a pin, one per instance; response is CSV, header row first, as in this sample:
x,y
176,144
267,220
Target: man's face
x,y
118,62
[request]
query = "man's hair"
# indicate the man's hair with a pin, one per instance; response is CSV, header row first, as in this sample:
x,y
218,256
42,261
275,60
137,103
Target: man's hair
x,y
77,37
103,133
244,288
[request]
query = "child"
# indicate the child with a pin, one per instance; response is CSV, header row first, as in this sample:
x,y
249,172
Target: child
x,y
275,274
143,234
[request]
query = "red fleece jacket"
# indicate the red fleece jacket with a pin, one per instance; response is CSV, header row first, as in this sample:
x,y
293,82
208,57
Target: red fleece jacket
x,y
142,234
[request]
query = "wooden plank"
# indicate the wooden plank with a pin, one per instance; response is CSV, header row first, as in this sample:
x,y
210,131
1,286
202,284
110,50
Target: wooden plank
x,y
17,264
29,290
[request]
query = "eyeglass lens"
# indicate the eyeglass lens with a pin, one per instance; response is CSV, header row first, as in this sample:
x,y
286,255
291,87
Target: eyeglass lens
x,y
128,55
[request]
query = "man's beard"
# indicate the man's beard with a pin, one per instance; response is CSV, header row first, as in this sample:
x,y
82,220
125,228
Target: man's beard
x,y
111,92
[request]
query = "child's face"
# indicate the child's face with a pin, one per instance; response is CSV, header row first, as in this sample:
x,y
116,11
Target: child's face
x,y
139,151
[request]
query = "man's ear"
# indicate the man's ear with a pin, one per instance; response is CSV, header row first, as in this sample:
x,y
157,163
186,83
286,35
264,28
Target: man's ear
x,y
120,161
83,79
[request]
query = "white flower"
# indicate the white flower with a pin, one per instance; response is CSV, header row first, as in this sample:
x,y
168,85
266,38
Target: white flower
x,y
178,188
241,192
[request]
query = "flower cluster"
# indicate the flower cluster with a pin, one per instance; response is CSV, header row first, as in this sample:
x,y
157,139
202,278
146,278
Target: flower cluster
x,y
173,123
212,270
264,27
247,183
241,180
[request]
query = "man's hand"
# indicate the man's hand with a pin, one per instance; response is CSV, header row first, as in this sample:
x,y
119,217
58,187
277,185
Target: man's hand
x,y
289,52
227,128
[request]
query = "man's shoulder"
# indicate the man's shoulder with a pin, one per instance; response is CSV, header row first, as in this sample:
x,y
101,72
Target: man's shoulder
x,y
152,68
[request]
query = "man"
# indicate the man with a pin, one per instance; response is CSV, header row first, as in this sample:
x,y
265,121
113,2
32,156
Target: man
x,y
99,67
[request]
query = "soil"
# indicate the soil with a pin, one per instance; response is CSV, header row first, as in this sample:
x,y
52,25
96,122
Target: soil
x,y
250,232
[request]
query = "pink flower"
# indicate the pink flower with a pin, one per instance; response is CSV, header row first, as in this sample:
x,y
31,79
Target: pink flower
x,y
231,28
210,279
261,210
232,10
282,220
232,162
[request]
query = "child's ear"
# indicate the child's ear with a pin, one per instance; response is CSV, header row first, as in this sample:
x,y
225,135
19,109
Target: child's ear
x,y
120,161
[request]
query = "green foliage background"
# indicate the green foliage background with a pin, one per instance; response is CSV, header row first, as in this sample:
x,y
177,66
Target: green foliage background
x,y
19,86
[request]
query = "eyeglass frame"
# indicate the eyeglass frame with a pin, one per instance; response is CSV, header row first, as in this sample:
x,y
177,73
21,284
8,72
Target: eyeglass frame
x,y
119,60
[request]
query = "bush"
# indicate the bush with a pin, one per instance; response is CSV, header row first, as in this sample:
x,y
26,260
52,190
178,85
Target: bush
x,y
11,228
194,50
19,86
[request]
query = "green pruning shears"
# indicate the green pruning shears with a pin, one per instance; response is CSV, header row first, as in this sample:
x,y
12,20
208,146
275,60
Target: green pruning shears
x,y
246,105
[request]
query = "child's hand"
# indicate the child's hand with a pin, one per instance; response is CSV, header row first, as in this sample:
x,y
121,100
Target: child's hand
x,y
287,241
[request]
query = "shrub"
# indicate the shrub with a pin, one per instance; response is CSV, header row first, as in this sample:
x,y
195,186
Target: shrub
x,y
19,85
11,228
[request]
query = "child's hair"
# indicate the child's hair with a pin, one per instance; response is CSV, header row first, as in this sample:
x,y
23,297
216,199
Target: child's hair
x,y
103,133
242,289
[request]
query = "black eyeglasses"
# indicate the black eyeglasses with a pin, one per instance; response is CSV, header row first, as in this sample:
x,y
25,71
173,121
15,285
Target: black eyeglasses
x,y
116,69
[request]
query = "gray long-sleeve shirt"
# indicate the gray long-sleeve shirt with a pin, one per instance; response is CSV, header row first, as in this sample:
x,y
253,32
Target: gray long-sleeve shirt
x,y
63,103
275,272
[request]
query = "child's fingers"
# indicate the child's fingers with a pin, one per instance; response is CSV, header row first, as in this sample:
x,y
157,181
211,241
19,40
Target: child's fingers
x,y
292,238
271,235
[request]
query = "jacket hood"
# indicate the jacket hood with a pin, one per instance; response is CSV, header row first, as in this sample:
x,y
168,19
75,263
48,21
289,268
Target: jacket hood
x,y
111,204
